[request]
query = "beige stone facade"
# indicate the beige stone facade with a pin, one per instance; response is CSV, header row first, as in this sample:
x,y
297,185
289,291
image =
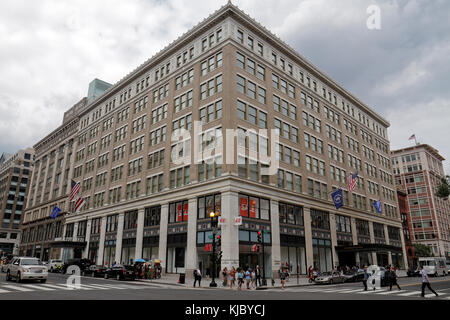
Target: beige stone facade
x,y
230,73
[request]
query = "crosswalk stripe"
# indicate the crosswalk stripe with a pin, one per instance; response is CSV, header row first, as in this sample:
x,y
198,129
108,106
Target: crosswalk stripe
x,y
4,291
16,288
390,292
352,290
372,291
409,293
32,286
62,286
92,287
430,295
106,287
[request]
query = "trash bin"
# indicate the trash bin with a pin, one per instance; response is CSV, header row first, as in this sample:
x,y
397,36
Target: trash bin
x,y
182,278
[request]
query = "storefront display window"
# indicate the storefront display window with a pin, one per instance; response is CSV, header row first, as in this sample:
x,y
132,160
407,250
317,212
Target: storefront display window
x,y
254,207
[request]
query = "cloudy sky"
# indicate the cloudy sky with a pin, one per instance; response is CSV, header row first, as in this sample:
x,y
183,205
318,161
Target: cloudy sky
x,y
51,49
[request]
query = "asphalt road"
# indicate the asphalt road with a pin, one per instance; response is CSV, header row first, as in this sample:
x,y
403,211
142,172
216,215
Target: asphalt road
x,y
103,289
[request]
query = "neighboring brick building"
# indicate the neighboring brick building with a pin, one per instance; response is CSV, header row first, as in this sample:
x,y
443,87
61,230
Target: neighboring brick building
x,y
418,171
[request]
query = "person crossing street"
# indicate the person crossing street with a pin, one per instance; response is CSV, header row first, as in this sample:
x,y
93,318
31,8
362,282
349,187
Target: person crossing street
x,y
425,282
393,279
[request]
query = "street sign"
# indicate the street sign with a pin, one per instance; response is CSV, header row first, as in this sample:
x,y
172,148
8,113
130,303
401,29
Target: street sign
x,y
222,221
238,221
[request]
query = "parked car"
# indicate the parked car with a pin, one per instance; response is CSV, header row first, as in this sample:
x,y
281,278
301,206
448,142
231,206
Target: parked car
x,y
330,278
55,265
5,262
26,268
83,264
434,266
120,272
94,271
413,272
354,275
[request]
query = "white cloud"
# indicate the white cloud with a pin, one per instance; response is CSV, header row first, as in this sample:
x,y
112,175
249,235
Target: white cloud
x,y
51,50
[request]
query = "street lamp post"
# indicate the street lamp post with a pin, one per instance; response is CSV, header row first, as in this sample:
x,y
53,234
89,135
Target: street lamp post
x,y
213,226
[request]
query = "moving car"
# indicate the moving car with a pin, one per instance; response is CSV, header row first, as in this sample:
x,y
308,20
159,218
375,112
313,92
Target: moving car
x,y
83,264
120,272
55,265
94,271
354,275
330,278
26,268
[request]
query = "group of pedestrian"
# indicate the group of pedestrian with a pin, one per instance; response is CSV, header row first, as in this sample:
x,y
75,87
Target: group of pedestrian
x,y
251,277
392,279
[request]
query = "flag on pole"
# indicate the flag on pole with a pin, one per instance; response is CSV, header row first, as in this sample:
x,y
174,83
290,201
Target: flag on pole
x,y
413,137
79,203
75,188
377,205
55,212
351,181
337,198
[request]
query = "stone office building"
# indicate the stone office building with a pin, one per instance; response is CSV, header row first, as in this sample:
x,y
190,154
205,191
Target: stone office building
x,y
149,193
15,175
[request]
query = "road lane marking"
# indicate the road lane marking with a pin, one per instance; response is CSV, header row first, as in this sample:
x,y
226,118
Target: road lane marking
x,y
33,286
16,288
372,291
390,292
60,286
410,293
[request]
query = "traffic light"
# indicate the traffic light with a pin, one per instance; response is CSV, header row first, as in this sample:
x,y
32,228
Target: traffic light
x,y
219,240
219,256
259,237
256,248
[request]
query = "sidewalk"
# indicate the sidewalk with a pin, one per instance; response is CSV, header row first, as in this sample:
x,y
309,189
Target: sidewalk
x,y
172,280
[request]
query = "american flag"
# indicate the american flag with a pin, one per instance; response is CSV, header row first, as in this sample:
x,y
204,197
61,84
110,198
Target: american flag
x,y
75,188
351,181
79,203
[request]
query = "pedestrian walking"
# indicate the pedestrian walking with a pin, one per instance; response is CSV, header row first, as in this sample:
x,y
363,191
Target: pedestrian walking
x,y
197,277
425,282
248,278
240,278
225,276
232,276
366,277
283,273
258,276
393,279
253,278
311,274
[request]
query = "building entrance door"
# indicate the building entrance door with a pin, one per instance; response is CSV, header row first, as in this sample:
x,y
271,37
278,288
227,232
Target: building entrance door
x,y
249,260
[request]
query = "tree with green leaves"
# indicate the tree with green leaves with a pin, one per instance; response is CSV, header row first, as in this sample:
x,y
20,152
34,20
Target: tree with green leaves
x,y
422,250
443,190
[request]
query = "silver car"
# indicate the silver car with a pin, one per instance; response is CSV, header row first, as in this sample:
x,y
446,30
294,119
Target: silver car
x,y
26,268
330,278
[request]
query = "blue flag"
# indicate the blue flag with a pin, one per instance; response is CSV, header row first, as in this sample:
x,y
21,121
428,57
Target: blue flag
x,y
337,198
377,205
55,212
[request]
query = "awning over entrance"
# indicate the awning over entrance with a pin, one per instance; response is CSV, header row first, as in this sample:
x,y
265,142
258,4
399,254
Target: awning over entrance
x,y
67,244
368,247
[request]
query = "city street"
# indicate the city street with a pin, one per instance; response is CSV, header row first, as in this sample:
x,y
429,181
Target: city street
x,y
102,289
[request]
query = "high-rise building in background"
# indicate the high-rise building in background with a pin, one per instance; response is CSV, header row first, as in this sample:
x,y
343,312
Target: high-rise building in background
x,y
418,172
261,106
15,175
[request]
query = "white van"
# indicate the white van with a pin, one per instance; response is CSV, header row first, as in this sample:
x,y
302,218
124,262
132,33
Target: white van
x,y
434,266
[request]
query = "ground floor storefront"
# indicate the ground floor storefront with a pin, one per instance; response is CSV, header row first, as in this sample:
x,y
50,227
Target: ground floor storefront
x,y
257,227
